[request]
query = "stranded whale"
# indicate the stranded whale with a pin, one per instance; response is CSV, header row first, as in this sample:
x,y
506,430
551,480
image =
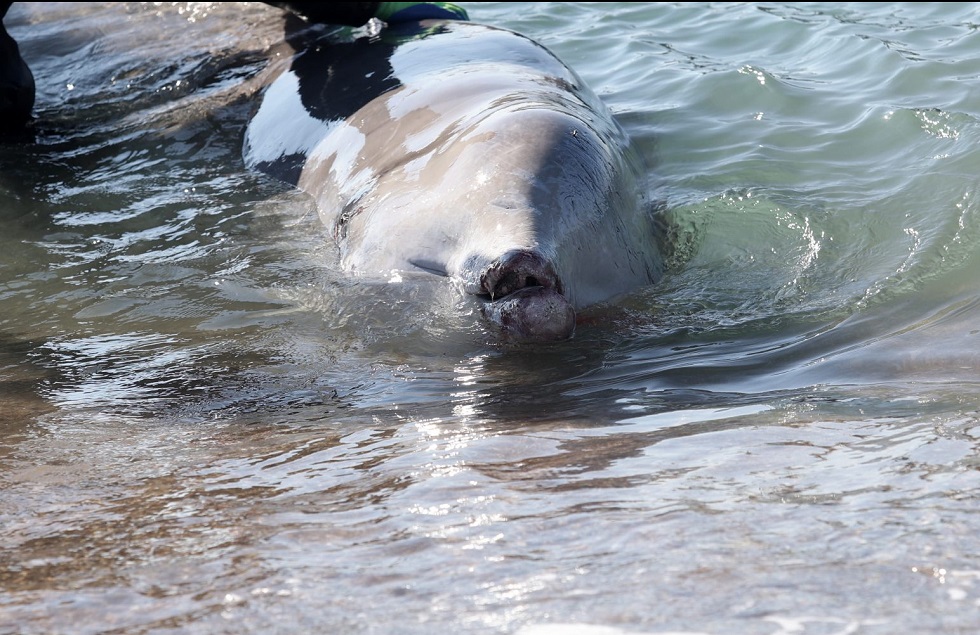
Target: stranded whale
x,y
466,151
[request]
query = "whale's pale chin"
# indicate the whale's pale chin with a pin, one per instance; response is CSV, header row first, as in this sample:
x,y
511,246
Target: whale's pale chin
x,y
532,314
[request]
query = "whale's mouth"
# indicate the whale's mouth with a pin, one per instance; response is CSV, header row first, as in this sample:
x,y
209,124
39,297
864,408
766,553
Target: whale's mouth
x,y
525,298
518,270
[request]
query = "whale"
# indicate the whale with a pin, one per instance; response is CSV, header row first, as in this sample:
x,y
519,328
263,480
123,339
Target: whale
x,y
467,152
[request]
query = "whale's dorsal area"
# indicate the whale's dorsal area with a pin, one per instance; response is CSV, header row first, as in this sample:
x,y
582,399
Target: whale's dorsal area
x,y
466,151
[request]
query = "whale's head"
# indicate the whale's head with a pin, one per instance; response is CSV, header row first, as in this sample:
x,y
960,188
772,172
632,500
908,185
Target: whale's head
x,y
533,212
479,158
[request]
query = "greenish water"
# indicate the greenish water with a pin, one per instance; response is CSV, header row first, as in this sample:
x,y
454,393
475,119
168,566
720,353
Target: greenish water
x,y
206,428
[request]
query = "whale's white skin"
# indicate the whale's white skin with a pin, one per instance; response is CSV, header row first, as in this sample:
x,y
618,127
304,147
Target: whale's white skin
x,y
470,152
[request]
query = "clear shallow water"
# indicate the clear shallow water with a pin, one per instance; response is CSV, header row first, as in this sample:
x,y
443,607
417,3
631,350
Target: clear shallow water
x,y
207,429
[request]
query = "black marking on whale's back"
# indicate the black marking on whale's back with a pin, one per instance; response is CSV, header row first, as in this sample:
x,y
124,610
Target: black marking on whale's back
x,y
286,168
332,79
336,80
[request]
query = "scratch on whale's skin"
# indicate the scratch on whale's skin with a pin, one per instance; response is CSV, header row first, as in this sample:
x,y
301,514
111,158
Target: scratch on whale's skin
x,y
469,152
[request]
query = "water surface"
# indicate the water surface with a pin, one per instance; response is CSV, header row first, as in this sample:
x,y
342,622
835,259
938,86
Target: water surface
x,y
208,428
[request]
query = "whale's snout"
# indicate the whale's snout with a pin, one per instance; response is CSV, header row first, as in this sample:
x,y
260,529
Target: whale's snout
x,y
526,298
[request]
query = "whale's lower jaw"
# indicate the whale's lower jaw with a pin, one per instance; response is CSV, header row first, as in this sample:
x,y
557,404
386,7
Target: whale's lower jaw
x,y
524,298
532,314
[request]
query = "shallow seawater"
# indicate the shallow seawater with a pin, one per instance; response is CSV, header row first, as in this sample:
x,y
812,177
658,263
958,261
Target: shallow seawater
x,y
207,428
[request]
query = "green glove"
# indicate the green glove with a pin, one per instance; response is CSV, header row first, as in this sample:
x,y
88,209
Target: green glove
x,y
394,12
